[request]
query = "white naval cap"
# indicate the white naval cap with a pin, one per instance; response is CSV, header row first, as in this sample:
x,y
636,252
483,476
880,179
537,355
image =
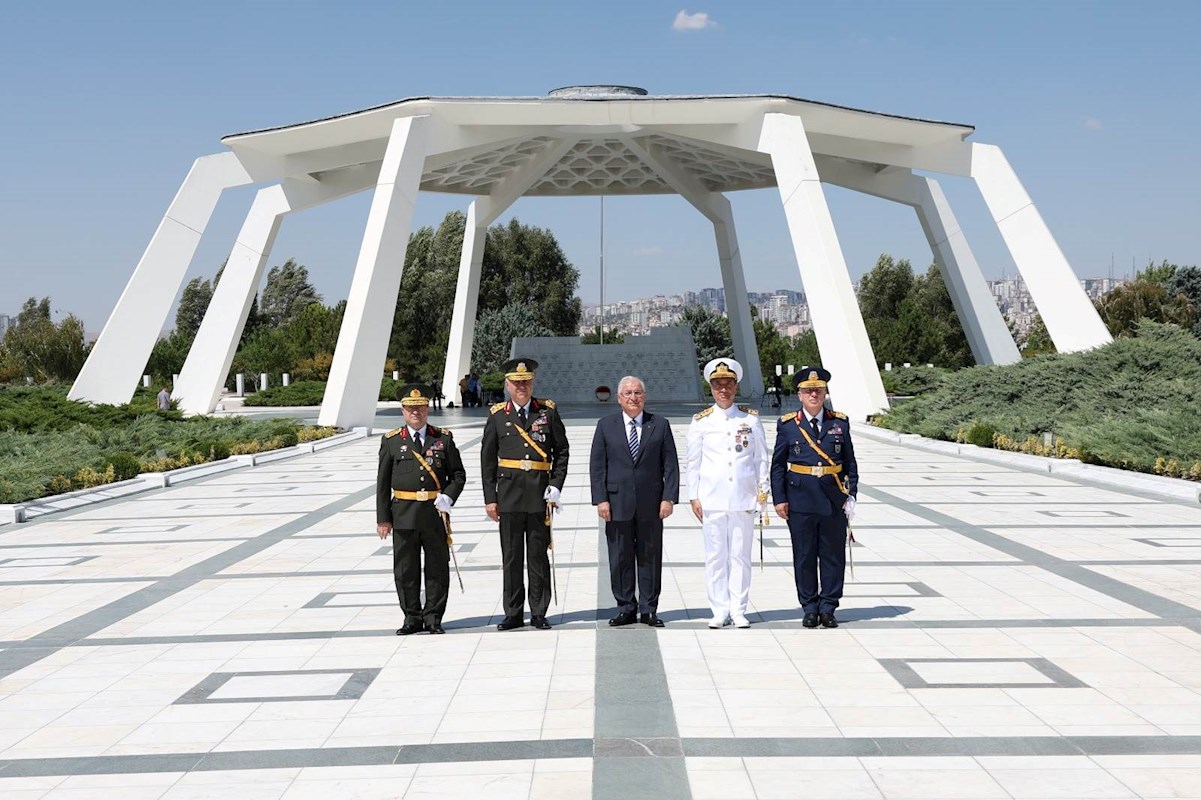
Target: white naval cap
x,y
723,368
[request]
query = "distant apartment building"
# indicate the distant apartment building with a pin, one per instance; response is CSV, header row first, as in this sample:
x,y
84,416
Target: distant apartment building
x,y
6,322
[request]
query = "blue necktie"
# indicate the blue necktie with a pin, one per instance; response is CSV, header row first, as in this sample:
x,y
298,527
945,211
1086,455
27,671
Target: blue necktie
x,y
634,440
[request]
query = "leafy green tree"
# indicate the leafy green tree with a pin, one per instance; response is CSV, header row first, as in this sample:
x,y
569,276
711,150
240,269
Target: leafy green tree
x,y
773,349
710,334
37,348
168,355
881,293
1157,273
803,351
494,334
286,294
265,351
314,330
612,336
1037,341
524,264
192,306
425,303
1187,281
929,327
1123,308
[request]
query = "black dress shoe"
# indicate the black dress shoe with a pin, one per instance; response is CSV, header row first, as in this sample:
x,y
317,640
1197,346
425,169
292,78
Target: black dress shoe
x,y
540,623
509,623
828,620
436,628
651,619
409,627
810,620
625,618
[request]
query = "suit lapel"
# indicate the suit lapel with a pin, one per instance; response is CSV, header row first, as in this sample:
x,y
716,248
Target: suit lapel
x,y
648,422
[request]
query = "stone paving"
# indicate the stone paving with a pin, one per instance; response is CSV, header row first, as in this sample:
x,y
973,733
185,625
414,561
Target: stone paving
x,y
1008,634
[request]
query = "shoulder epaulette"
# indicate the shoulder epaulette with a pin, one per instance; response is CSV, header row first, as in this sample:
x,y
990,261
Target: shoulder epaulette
x,y
434,429
838,415
703,414
495,408
748,410
791,415
547,403
392,433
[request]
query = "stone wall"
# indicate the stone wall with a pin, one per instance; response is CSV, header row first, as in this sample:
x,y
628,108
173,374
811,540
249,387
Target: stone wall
x,y
570,372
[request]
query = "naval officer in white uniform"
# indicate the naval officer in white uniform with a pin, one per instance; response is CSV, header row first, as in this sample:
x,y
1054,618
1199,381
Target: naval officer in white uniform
x,y
728,470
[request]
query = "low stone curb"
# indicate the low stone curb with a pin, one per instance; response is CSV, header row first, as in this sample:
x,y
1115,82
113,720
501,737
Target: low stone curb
x,y
23,512
1170,488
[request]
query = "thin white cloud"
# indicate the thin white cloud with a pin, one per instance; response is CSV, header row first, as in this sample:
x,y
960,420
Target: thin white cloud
x,y
692,22
1092,123
654,250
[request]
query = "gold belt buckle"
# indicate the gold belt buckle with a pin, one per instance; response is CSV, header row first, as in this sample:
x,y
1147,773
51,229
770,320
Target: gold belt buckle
x,y
526,465
422,496
816,471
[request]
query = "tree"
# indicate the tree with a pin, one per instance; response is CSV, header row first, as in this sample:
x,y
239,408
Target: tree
x,y
287,292
1157,273
167,357
804,351
192,306
265,351
1038,340
881,293
612,336
710,334
1187,281
36,348
314,330
525,265
773,349
494,334
1122,308
929,327
425,303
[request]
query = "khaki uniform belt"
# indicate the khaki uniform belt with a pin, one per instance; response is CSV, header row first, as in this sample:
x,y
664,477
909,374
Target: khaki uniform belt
x,y
523,464
817,471
421,497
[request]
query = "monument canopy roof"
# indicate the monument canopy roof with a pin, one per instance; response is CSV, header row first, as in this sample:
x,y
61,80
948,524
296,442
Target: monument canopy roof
x,y
587,140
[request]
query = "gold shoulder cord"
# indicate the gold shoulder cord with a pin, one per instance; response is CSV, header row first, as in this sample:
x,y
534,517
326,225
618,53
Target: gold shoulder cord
x,y
820,452
425,464
530,441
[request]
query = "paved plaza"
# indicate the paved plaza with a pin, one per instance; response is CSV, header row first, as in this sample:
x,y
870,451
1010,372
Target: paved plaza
x,y
1008,634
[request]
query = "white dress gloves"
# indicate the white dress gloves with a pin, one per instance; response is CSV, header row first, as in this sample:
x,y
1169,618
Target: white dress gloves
x,y
849,508
443,503
551,495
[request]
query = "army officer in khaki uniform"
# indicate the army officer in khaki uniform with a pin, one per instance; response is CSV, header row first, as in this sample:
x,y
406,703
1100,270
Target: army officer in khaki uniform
x,y
420,477
523,463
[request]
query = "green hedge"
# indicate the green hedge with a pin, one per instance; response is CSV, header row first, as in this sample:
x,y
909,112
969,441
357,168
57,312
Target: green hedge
x,y
49,444
912,381
310,393
1135,404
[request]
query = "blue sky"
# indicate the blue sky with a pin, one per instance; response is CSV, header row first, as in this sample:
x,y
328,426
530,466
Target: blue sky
x,y
105,105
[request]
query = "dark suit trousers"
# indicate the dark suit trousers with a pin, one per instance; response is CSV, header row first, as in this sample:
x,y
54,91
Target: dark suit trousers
x,y
818,540
519,531
636,544
407,546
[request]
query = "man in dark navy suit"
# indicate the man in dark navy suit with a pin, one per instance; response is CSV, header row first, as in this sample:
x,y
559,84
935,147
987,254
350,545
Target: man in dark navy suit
x,y
635,477
814,480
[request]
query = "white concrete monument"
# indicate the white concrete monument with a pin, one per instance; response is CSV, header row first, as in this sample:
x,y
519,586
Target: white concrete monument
x,y
593,140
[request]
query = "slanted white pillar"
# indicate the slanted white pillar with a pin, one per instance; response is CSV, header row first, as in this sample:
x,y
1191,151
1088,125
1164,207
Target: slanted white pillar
x,y
216,342
111,371
856,389
716,208
1071,320
482,212
987,334
357,369
467,298
738,307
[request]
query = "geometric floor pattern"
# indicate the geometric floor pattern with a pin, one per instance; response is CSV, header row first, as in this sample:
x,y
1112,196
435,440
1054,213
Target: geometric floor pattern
x,y
1008,634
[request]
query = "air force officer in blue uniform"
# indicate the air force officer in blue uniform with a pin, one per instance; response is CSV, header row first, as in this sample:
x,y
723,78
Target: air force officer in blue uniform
x,y
814,480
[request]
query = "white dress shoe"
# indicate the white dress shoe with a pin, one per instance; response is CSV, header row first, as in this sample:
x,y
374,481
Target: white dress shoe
x,y
719,622
741,621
